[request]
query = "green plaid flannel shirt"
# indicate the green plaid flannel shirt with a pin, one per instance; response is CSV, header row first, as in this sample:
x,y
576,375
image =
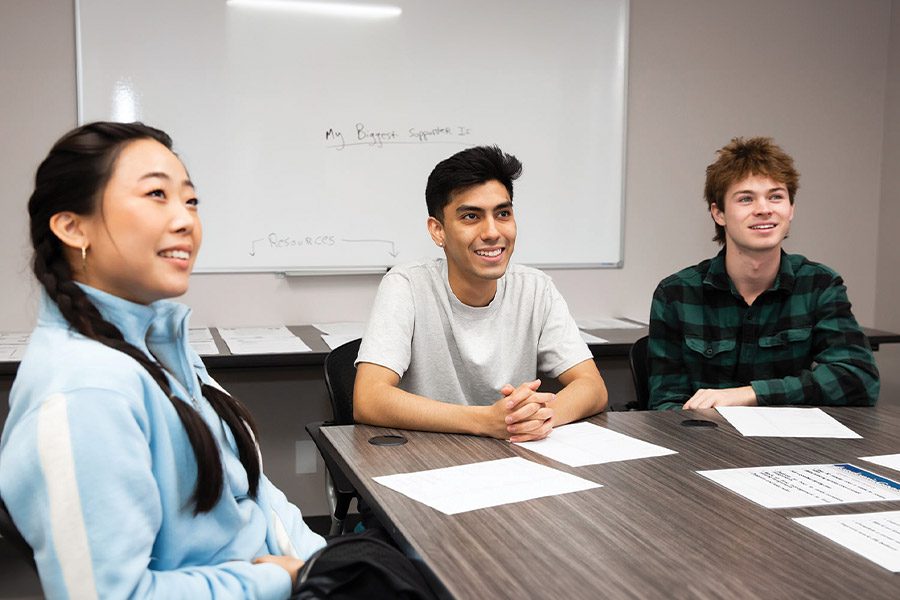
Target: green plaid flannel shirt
x,y
797,344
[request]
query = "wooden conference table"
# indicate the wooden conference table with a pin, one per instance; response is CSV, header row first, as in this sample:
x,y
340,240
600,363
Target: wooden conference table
x,y
655,530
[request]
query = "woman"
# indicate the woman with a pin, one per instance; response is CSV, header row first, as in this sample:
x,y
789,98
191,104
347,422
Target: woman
x,y
127,469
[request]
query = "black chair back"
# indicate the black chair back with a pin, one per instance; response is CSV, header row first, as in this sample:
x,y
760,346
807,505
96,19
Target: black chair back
x,y
340,374
11,535
640,373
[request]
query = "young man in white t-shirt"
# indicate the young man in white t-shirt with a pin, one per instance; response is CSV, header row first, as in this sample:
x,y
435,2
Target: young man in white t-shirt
x,y
455,344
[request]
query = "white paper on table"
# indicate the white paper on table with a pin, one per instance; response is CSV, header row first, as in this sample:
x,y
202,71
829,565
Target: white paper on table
x,y
201,340
795,486
335,340
784,421
580,444
607,324
891,461
207,348
592,339
274,331
875,536
13,345
199,334
354,328
12,352
14,338
454,490
262,340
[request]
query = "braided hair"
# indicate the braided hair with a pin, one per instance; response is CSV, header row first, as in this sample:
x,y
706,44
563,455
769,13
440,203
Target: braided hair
x,y
72,178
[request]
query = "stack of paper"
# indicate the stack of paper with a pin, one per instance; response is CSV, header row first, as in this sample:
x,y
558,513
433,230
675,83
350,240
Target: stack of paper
x,y
262,340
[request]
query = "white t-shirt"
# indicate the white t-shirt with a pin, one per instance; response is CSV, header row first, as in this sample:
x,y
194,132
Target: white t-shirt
x,y
446,350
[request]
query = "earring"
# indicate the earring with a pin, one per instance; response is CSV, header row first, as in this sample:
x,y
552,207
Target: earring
x,y
440,244
84,258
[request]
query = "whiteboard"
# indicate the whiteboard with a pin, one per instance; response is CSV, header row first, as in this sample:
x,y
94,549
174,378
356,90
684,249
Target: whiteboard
x,y
310,138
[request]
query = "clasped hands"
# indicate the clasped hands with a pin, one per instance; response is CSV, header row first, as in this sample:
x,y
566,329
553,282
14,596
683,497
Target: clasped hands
x,y
523,414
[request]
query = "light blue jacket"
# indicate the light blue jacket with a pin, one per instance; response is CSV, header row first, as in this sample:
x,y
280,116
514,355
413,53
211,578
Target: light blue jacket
x,y
97,470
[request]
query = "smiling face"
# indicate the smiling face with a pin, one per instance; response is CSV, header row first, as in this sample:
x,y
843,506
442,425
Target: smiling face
x,y
143,239
478,235
757,215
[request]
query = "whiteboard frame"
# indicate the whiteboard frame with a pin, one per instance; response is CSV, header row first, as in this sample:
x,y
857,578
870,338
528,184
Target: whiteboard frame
x,y
624,26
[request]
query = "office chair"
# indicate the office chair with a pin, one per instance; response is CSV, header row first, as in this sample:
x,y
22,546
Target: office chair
x,y
640,374
340,373
10,533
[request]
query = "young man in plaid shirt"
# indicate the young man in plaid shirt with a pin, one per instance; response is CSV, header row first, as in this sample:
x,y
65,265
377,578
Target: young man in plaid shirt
x,y
755,325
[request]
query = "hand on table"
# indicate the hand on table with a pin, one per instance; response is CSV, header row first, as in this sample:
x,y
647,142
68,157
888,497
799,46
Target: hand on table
x,y
742,396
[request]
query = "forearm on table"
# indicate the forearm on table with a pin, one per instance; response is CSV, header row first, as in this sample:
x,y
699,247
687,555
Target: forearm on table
x,y
584,394
826,385
388,406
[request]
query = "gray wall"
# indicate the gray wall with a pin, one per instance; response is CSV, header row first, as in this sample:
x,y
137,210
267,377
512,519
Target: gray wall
x,y
821,76
887,314
37,105
811,73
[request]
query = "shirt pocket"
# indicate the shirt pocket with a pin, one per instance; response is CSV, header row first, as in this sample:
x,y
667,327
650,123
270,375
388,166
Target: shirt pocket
x,y
786,338
711,349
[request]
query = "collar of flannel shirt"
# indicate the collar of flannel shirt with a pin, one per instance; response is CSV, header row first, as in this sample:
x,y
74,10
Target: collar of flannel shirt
x,y
717,277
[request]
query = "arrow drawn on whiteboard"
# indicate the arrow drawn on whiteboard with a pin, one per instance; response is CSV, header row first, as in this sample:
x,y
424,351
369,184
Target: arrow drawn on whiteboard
x,y
253,246
393,251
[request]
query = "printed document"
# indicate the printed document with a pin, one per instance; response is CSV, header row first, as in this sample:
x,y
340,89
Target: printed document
x,y
891,461
806,485
875,536
784,421
580,444
262,340
454,490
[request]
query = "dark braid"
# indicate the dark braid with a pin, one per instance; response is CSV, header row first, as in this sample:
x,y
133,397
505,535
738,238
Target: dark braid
x,y
242,426
72,178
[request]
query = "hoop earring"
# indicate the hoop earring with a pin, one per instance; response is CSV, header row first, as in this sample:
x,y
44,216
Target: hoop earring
x,y
84,258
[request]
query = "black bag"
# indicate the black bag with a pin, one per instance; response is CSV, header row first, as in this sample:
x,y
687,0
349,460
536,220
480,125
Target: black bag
x,y
360,566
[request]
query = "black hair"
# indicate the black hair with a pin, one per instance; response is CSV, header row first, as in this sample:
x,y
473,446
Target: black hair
x,y
468,168
72,178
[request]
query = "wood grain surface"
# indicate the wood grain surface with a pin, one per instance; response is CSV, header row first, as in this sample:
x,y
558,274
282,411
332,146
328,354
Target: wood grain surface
x,y
656,529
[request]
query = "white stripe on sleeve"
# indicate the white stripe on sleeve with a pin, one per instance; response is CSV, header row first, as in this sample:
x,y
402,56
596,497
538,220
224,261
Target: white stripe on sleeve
x,y
66,517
